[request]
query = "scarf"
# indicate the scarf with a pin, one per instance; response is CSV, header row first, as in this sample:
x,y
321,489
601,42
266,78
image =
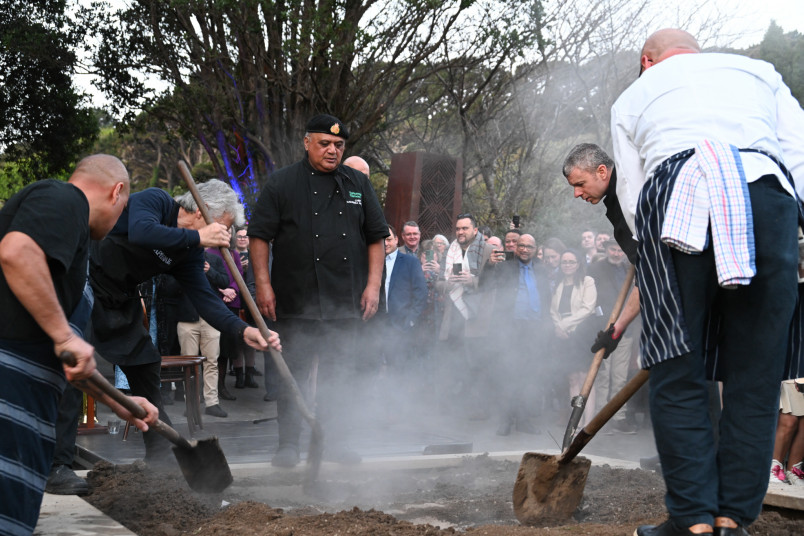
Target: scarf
x,y
473,258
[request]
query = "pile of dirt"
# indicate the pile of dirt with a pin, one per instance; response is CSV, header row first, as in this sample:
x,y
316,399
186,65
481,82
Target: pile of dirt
x,y
473,498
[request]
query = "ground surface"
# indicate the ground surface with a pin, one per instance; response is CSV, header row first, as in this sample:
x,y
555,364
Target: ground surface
x,y
472,498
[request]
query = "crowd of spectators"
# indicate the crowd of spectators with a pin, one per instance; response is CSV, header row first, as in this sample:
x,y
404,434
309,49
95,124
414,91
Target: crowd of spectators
x,y
545,301
442,323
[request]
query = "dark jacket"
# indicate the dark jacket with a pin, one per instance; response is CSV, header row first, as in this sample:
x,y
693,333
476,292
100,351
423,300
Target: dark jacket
x,y
614,213
505,278
321,225
217,277
145,242
407,292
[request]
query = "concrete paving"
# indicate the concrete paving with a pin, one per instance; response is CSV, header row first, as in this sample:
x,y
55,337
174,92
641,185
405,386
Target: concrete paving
x,y
69,515
249,434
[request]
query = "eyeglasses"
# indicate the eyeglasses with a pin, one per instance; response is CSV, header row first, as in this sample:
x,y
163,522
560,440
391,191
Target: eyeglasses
x,y
525,247
569,263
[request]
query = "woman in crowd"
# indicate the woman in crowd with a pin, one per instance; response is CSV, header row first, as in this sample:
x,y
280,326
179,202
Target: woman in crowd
x,y
440,245
572,311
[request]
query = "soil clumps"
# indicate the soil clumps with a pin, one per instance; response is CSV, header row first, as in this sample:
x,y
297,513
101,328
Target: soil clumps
x,y
473,498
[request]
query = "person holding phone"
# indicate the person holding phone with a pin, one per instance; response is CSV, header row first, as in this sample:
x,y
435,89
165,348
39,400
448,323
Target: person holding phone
x,y
466,315
431,258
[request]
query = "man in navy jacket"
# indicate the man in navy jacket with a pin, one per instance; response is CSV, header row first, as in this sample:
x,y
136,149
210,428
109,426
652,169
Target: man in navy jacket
x,y
404,292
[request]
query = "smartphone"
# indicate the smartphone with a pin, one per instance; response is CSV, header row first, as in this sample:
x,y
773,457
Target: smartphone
x,y
457,268
428,255
515,220
509,255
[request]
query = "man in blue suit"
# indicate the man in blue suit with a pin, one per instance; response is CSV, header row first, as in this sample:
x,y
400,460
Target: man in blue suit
x,y
404,290
522,318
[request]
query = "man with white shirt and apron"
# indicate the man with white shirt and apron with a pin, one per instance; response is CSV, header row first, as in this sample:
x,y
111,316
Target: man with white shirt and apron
x,y
703,143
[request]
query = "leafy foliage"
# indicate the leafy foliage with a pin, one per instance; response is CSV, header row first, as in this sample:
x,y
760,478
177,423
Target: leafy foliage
x,y
786,52
245,76
44,123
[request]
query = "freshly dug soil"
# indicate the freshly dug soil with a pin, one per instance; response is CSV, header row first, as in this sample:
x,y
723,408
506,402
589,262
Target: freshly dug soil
x,y
473,498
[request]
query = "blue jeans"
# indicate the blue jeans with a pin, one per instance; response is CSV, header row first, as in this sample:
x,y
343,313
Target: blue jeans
x,y
729,477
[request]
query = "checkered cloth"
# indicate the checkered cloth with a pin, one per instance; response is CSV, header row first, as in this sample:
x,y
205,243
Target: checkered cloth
x,y
711,192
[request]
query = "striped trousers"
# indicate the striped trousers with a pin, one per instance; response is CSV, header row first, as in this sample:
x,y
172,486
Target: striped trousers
x,y
31,383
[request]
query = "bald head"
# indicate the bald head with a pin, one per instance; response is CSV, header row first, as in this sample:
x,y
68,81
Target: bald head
x,y
355,162
104,181
101,169
664,44
526,248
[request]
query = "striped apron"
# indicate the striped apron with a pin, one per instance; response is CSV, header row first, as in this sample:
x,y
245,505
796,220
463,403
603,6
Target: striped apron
x,y
664,331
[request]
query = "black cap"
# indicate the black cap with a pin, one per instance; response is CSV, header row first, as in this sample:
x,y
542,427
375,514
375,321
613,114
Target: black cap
x,y
327,124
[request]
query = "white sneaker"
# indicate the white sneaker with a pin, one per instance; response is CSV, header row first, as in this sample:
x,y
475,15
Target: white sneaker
x,y
795,475
777,475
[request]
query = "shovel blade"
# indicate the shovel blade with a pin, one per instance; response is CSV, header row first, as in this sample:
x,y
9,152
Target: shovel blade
x,y
547,491
204,465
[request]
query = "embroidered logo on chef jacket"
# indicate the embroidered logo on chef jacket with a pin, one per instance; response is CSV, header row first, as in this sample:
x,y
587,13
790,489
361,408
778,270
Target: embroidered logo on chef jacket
x,y
355,198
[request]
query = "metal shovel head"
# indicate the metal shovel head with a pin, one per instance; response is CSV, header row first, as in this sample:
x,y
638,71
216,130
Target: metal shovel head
x,y
204,465
546,490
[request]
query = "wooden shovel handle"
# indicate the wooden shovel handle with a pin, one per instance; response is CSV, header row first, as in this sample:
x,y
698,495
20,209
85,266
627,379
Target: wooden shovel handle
x,y
603,416
96,383
615,313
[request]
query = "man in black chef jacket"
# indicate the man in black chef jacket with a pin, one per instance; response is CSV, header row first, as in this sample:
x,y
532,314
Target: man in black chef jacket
x,y
327,229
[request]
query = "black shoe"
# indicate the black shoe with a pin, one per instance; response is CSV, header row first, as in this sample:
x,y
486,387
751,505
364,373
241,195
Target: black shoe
x,y
240,379
269,397
668,528
216,411
342,455
253,371
286,456
249,381
725,531
64,481
224,394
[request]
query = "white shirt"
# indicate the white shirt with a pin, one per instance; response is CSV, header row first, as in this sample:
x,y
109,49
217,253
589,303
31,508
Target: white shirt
x,y
690,97
390,259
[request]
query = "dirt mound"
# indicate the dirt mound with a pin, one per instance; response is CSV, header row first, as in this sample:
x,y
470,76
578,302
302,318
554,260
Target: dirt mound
x,y
474,498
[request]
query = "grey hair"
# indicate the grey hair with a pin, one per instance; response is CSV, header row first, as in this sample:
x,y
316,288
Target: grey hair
x,y
586,156
442,238
219,198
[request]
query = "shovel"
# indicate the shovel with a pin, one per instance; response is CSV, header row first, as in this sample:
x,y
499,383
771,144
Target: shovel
x,y
202,463
316,450
548,489
578,402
